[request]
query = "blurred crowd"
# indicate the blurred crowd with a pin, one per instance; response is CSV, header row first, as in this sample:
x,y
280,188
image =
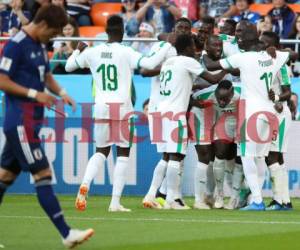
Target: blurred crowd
x,y
151,18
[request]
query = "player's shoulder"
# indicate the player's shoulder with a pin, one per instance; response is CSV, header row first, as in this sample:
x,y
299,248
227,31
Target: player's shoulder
x,y
18,40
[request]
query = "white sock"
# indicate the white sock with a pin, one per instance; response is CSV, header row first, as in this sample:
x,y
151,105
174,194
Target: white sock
x,y
157,179
219,171
120,174
261,170
277,181
285,185
178,193
200,179
229,168
250,171
210,182
173,180
163,187
237,179
95,163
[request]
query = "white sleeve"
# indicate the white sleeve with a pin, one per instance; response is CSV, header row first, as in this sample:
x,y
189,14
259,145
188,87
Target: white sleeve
x,y
77,60
193,66
282,58
232,62
150,62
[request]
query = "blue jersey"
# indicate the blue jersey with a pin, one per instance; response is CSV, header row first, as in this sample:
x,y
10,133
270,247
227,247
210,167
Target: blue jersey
x,y
24,61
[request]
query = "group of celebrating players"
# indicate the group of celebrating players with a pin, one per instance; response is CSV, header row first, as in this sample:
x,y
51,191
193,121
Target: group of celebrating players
x,y
226,94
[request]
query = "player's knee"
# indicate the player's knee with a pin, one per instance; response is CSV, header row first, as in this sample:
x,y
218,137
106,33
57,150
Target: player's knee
x,y
43,181
123,152
105,151
272,158
165,157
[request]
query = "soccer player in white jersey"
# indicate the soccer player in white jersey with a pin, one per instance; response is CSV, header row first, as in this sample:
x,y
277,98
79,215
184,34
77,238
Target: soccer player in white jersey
x,y
259,114
182,26
280,93
177,76
111,65
224,99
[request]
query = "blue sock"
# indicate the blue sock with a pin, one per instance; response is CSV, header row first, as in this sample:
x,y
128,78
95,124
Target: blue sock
x,y
49,203
3,187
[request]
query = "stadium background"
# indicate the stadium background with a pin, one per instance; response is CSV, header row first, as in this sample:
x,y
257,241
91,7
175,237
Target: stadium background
x,y
69,159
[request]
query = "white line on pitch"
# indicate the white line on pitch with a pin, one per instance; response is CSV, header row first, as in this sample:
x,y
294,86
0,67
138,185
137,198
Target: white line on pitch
x,y
158,219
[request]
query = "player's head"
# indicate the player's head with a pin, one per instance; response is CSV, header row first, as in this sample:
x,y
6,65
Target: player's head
x,y
185,45
241,27
214,47
248,39
270,39
208,22
224,93
205,29
49,22
229,27
183,26
115,28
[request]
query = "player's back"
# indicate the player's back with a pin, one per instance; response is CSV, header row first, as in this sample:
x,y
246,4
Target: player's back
x,y
25,62
112,67
176,81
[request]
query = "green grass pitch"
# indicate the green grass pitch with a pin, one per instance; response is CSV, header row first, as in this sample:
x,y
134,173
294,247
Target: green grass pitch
x,y
24,226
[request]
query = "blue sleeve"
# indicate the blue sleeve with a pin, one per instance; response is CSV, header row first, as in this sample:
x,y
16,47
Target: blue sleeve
x,y
10,59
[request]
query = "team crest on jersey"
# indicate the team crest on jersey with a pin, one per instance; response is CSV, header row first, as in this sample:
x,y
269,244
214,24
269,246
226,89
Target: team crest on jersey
x,y
32,56
5,63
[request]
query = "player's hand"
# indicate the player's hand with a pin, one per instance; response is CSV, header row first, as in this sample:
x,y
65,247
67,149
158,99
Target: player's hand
x,y
271,95
68,100
46,99
278,107
81,46
271,51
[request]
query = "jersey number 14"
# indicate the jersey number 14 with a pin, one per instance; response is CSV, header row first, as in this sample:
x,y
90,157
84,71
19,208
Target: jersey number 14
x,y
109,75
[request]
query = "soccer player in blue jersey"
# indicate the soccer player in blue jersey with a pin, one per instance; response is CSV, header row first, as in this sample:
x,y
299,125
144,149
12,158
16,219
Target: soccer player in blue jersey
x,y
24,75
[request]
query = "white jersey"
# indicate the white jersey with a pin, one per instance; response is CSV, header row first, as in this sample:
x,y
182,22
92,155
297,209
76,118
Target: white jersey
x,y
112,66
230,46
258,70
176,81
282,79
155,83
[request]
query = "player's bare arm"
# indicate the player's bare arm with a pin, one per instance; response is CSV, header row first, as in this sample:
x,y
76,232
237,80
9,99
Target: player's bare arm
x,y
54,88
213,78
10,87
150,73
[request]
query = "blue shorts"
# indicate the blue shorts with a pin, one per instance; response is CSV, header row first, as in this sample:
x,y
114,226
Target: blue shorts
x,y
22,153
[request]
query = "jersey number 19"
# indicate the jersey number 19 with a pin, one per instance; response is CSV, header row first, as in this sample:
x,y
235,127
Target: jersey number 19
x,y
109,75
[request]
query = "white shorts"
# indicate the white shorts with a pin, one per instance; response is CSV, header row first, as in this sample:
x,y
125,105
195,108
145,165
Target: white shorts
x,y
114,132
174,135
257,145
201,123
280,142
225,129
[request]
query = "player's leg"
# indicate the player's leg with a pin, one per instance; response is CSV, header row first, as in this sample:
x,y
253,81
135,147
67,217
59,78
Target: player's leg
x,y
204,153
9,169
157,179
31,157
119,179
95,163
286,201
277,180
50,204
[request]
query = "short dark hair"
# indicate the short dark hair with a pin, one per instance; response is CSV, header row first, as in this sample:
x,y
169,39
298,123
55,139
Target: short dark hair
x,y
183,19
145,103
208,20
231,22
54,16
224,84
114,24
182,42
275,38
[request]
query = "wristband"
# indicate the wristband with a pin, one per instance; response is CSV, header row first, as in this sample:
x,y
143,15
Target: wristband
x,y
32,93
277,98
62,92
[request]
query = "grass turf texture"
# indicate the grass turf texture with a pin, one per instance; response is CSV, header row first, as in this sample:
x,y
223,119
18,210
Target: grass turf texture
x,y
23,225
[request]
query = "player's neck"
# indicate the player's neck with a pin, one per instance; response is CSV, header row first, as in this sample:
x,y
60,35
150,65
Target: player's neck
x,y
31,30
